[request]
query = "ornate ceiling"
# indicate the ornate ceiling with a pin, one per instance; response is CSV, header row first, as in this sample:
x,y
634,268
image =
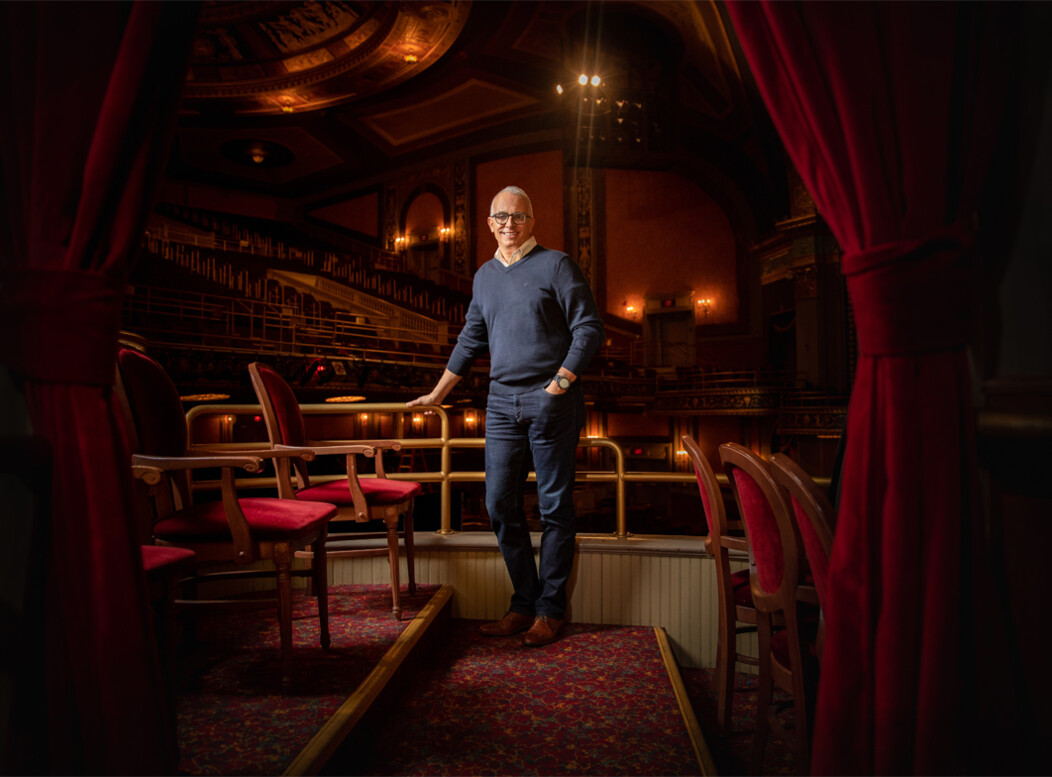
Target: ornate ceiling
x,y
295,96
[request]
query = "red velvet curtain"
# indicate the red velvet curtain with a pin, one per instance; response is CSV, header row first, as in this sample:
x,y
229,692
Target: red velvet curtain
x,y
89,94
889,111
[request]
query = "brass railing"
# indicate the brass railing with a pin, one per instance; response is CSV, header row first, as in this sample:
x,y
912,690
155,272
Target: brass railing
x,y
446,444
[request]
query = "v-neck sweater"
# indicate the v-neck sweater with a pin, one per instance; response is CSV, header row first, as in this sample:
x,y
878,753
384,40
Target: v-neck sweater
x,y
533,317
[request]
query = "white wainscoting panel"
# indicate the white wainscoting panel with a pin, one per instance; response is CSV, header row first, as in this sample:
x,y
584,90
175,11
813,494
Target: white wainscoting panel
x,y
638,584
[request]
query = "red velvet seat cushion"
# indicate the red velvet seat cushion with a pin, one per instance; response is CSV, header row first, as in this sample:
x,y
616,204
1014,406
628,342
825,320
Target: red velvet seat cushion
x,y
740,586
268,518
156,558
378,491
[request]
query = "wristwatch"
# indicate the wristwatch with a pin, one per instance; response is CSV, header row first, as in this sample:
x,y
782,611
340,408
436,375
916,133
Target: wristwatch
x,y
562,381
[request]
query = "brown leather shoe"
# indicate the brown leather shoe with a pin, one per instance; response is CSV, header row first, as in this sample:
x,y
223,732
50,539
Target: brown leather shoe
x,y
512,623
544,630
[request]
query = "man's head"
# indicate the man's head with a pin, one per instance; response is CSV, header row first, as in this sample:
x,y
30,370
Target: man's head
x,y
511,201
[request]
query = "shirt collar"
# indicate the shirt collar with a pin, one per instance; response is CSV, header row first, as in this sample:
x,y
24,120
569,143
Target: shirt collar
x,y
518,253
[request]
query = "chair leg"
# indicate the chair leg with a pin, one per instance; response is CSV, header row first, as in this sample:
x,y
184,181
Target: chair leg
x,y
320,581
392,555
283,563
407,525
726,649
764,692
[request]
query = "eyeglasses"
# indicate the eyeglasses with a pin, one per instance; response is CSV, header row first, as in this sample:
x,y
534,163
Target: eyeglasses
x,y
518,217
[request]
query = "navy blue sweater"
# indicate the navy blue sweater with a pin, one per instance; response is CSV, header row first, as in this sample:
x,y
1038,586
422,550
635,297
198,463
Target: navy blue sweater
x,y
533,317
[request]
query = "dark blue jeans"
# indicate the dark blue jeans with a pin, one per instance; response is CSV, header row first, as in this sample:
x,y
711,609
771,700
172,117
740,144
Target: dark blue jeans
x,y
548,426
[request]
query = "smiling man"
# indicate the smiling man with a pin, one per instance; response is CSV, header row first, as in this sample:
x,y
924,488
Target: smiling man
x,y
533,312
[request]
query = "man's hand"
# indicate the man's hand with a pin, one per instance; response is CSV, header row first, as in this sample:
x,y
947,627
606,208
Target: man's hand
x,y
553,386
439,392
426,399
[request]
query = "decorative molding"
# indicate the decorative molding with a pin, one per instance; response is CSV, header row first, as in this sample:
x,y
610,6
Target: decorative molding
x,y
460,219
737,401
583,209
390,216
821,421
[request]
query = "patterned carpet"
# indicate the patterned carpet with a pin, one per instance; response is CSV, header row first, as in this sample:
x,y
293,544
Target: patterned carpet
x,y
732,754
232,716
596,702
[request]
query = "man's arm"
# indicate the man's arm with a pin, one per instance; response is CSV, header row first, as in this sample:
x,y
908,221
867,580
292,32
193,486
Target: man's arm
x,y
438,393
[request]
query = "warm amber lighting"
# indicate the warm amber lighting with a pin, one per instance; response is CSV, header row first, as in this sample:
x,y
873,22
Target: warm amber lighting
x,y
349,398
258,157
583,80
558,88
705,304
630,308
596,81
204,397
410,58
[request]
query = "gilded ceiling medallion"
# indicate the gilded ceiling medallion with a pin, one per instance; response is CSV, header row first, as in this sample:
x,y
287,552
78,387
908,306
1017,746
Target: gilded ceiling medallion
x,y
257,58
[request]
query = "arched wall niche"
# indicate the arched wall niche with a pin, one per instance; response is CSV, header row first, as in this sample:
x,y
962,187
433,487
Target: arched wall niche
x,y
425,211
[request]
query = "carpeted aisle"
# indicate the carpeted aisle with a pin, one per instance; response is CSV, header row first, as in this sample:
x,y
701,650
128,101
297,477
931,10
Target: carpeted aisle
x,y
600,701
232,716
597,702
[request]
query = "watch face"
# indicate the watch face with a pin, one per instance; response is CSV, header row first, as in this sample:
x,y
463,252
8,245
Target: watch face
x,y
562,381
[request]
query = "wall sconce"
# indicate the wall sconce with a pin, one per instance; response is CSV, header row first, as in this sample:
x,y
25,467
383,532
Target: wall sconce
x,y
445,233
705,304
469,419
418,423
400,243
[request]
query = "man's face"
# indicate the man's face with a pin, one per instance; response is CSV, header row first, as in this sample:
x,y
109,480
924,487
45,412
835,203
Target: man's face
x,y
509,234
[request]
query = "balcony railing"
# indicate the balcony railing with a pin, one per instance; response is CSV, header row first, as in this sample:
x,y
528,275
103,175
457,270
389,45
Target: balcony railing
x,y
446,444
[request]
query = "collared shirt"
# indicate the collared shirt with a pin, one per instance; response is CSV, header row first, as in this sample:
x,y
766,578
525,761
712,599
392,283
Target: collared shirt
x,y
518,253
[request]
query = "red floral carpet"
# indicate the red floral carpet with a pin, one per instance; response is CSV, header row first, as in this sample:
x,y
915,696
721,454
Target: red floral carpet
x,y
232,716
599,701
732,754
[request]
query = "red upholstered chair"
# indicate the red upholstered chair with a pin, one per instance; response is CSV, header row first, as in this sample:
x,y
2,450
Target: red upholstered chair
x,y
736,612
783,601
231,530
815,518
358,499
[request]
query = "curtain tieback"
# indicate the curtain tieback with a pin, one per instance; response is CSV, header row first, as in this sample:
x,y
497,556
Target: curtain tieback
x,y
913,296
60,326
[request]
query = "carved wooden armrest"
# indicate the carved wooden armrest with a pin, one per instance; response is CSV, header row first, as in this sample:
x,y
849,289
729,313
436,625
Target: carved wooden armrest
x,y
330,449
277,452
734,543
176,463
807,594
